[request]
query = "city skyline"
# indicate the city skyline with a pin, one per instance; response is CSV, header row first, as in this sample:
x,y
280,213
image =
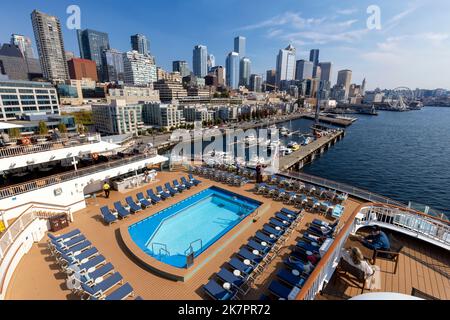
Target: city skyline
x,y
392,49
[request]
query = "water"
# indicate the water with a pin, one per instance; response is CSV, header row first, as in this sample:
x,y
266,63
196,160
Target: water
x,y
402,155
191,226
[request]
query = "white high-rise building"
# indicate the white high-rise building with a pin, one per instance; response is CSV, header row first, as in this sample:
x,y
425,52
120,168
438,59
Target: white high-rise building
x,y
286,64
344,80
232,70
50,45
211,62
138,69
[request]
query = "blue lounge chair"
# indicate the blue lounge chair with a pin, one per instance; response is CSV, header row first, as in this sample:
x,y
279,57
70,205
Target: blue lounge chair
x,y
264,237
64,237
170,189
278,223
71,251
193,180
284,217
229,277
186,183
178,186
271,230
89,278
144,202
295,263
134,207
317,231
76,259
237,264
217,292
68,244
255,245
311,238
155,199
121,211
246,254
164,194
93,263
279,290
288,277
98,290
121,293
108,217
305,246
292,213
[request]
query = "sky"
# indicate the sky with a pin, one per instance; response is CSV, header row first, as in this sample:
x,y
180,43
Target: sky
x,y
409,48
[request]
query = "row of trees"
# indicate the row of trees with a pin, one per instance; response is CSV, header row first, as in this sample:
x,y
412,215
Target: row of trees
x,y
42,129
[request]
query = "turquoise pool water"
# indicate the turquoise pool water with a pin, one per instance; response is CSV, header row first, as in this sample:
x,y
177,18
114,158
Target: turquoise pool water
x,y
192,225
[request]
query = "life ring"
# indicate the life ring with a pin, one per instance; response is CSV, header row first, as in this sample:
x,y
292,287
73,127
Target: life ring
x,y
95,156
26,141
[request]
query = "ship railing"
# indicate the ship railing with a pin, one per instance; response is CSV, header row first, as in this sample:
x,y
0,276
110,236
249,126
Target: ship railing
x,y
341,187
56,179
413,223
64,142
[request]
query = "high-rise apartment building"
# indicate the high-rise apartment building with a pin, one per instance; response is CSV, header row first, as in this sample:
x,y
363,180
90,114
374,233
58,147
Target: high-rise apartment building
x,y
92,44
50,45
232,70
304,70
314,56
170,90
245,72
256,83
211,62
286,64
240,46
138,69
200,61
181,67
113,65
326,68
344,80
141,44
219,72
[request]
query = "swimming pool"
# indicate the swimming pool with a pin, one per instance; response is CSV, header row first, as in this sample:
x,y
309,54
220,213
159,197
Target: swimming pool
x,y
191,226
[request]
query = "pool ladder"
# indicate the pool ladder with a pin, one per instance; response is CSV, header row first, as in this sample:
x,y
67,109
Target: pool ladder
x,y
190,250
161,250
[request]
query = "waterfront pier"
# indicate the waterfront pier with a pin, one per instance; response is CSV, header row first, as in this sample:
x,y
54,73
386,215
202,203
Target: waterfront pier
x,y
298,159
334,121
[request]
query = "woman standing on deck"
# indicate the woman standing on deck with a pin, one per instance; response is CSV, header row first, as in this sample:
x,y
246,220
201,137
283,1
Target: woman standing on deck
x,y
355,258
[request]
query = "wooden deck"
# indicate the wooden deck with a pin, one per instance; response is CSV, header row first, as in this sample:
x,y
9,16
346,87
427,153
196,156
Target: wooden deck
x,y
421,267
37,275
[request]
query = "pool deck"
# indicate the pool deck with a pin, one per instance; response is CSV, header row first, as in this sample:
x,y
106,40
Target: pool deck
x,y
37,275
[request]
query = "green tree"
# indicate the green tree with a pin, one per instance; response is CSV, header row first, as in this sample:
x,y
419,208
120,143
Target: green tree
x,y
42,128
14,133
62,127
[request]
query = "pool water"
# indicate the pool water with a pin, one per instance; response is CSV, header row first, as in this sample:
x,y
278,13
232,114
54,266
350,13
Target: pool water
x,y
192,225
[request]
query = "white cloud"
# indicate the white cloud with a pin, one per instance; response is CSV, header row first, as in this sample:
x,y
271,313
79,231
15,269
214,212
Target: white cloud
x,y
346,12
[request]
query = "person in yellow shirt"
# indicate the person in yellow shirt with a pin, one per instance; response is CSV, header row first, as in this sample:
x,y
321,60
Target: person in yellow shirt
x,y
107,189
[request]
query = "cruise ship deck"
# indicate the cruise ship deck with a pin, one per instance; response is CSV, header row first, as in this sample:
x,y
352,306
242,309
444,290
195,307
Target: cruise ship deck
x,y
421,267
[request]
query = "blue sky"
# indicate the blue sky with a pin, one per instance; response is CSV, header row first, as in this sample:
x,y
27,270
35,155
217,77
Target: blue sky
x,y
412,48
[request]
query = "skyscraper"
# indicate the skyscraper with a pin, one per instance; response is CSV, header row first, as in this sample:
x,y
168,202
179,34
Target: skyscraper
x,y
113,65
24,44
92,44
200,61
255,83
141,44
50,45
245,71
314,56
271,78
344,80
326,71
286,64
138,69
211,62
181,67
232,70
219,72
304,70
239,46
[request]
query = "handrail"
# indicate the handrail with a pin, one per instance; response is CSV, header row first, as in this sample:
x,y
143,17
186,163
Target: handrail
x,y
56,179
326,266
14,151
342,187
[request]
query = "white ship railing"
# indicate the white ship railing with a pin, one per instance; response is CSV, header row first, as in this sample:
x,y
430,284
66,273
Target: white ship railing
x,y
55,179
433,230
14,151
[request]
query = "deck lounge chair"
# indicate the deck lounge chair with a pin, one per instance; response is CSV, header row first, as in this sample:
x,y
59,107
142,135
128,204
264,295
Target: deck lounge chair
x,y
279,290
287,211
255,245
164,194
121,211
170,189
89,278
84,267
277,223
98,290
121,293
229,277
271,230
217,292
264,237
270,191
295,263
279,194
193,180
288,277
76,259
260,188
188,184
237,264
178,186
153,197
320,223
68,244
306,246
284,217
71,251
64,237
247,254
144,202
134,207
108,217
